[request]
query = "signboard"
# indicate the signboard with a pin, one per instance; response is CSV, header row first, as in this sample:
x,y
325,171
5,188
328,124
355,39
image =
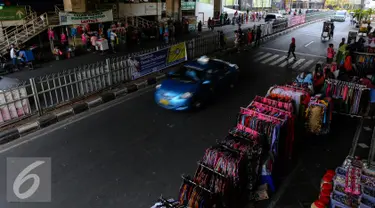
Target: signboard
x,y
151,9
158,60
192,20
296,20
187,5
85,18
12,13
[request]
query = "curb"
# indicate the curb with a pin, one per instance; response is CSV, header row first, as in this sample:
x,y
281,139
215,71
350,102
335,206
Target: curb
x,y
75,109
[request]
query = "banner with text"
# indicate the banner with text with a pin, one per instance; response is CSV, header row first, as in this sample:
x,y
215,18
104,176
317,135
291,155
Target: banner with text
x,y
296,20
67,18
158,60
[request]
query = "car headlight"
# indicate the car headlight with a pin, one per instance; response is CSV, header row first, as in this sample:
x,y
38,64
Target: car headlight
x,y
158,86
186,95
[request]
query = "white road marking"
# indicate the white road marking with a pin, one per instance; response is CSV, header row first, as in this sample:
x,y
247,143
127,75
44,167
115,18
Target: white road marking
x,y
363,145
298,62
304,54
303,67
286,62
259,53
262,57
278,61
270,59
309,43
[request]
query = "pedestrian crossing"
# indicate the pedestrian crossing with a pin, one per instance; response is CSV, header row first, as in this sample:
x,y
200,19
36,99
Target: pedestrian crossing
x,y
277,60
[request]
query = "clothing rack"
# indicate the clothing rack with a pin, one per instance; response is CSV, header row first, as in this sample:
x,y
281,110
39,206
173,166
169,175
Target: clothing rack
x,y
349,84
349,98
210,169
236,132
186,179
165,202
245,111
274,103
270,107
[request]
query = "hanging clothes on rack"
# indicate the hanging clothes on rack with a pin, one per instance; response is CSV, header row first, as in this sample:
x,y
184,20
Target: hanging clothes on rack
x,y
286,115
300,96
319,115
365,63
194,195
347,96
284,105
252,150
270,127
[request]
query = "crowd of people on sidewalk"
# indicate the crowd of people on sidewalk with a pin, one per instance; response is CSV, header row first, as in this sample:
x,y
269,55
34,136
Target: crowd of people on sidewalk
x,y
247,38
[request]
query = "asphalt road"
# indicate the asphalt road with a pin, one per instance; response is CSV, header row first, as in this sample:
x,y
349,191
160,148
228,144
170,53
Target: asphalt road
x,y
59,66
131,153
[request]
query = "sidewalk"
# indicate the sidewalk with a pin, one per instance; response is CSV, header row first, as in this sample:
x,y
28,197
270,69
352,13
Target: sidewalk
x,y
316,155
59,66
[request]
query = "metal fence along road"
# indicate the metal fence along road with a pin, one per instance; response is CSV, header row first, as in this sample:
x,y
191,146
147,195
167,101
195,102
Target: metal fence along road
x,y
40,95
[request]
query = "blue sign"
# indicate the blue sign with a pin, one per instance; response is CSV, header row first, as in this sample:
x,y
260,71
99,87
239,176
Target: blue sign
x,y
158,60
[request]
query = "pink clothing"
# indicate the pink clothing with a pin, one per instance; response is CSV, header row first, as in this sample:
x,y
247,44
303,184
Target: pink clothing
x,y
50,34
330,52
63,38
93,40
83,37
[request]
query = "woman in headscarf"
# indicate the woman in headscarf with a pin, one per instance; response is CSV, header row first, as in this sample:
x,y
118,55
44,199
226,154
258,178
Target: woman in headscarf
x,y
318,78
292,49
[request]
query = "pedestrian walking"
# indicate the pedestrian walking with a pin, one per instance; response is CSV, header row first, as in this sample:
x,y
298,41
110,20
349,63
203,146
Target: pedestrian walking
x,y
332,29
258,36
249,36
342,42
330,53
113,37
222,40
237,41
199,27
292,49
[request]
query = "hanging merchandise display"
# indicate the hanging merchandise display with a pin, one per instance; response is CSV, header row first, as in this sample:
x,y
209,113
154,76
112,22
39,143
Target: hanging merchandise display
x,y
192,194
319,115
231,172
284,105
365,63
349,98
300,96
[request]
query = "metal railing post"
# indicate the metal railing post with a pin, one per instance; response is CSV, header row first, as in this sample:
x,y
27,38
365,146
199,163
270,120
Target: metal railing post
x,y
34,90
109,69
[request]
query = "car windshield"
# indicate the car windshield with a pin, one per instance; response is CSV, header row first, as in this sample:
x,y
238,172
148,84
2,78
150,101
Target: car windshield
x,y
187,74
340,13
271,16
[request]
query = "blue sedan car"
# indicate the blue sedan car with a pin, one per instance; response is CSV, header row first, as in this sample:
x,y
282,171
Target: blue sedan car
x,y
192,85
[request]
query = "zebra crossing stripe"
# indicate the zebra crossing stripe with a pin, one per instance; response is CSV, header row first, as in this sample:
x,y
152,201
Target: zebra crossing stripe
x,y
278,61
259,53
303,67
270,59
286,62
262,57
300,61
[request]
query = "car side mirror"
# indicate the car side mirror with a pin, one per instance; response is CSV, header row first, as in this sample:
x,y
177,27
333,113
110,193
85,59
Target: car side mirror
x,y
206,82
